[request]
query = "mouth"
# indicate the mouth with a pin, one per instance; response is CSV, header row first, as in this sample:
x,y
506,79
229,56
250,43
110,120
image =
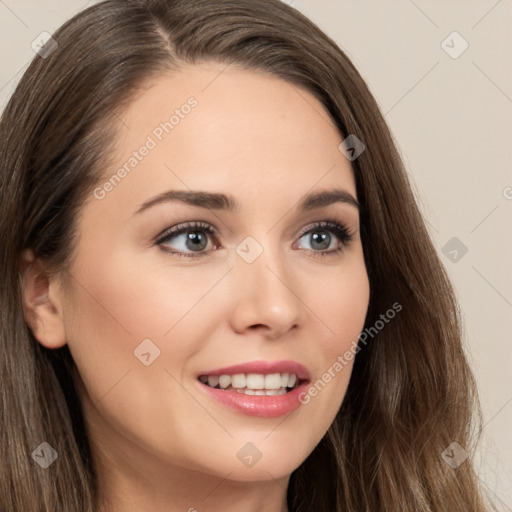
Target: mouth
x,y
258,384
258,388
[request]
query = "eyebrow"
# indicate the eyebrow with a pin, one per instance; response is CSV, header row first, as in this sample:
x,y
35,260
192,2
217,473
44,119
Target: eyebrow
x,y
218,201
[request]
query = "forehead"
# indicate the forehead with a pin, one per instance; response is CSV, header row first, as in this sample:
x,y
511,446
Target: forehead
x,y
223,128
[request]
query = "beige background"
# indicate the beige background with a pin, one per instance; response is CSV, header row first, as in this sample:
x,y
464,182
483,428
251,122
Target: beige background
x,y
452,120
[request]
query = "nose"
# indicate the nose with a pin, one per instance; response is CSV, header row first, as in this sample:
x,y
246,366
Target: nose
x,y
265,297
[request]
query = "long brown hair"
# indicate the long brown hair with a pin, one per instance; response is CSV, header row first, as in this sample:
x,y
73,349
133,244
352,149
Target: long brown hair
x,y
411,392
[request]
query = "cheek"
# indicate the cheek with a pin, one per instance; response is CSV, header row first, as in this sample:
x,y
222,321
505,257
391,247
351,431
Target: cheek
x,y
341,303
116,307
136,297
341,307
120,301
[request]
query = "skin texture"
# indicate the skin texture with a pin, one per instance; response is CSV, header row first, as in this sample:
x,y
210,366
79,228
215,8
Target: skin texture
x,y
159,441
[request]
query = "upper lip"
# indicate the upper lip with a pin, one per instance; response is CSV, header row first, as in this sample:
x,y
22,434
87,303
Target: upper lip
x,y
263,367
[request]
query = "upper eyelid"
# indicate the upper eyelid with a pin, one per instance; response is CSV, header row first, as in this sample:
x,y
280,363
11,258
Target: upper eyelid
x,y
323,224
190,226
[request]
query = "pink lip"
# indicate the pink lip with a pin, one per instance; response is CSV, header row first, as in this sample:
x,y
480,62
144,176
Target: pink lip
x,y
264,367
269,406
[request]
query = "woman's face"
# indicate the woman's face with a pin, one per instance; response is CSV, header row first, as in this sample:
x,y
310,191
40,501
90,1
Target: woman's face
x,y
269,284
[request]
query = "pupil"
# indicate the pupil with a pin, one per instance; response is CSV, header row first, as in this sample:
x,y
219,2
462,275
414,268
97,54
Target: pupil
x,y
197,241
323,239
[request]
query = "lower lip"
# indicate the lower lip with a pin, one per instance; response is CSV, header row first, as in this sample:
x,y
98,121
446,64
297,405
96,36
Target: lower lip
x,y
268,406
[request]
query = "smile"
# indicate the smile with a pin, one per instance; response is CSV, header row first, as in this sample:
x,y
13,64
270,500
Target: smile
x,y
257,388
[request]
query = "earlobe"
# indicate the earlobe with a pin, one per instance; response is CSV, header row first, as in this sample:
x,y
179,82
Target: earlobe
x,y
41,302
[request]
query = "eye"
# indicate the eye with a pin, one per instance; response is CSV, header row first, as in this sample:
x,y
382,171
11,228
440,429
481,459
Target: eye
x,y
321,240
194,239
189,240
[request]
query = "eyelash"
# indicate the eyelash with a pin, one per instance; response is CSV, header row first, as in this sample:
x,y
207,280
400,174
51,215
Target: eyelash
x,y
332,226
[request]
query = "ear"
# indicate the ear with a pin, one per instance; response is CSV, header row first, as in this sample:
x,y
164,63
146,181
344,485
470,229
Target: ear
x,y
42,302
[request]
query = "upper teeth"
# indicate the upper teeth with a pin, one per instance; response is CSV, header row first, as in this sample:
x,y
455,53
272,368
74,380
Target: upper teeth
x,y
251,380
